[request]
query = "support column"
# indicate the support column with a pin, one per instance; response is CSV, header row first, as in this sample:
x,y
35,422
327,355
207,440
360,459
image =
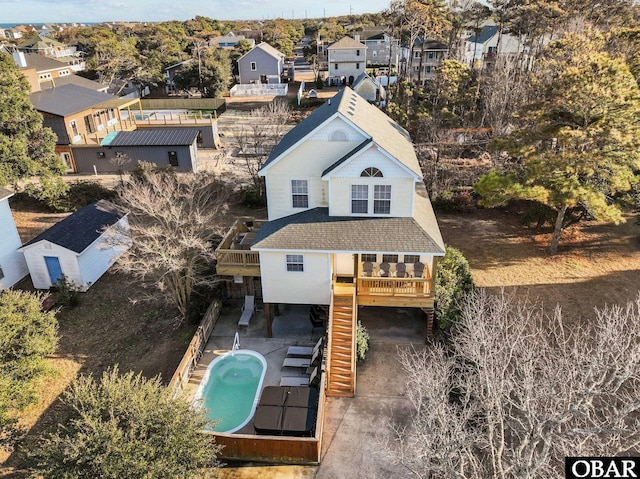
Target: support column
x,y
267,315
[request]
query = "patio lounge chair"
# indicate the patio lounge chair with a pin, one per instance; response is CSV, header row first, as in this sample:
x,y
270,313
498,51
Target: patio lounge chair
x,y
307,351
418,269
247,310
367,269
401,270
302,362
384,270
311,380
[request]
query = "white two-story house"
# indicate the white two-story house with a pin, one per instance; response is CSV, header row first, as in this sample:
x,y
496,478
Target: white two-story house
x,y
349,224
347,59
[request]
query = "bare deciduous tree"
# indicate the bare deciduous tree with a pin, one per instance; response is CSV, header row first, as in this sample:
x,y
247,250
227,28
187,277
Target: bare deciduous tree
x,y
175,224
517,391
259,136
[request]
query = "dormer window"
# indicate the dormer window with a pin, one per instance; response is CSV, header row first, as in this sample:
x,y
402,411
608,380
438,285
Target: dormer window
x,y
371,172
357,53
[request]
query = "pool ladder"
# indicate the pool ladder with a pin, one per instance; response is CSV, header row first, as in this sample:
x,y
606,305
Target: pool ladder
x,y
236,344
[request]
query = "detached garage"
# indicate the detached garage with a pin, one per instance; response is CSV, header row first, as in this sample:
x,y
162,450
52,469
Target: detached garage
x,y
78,247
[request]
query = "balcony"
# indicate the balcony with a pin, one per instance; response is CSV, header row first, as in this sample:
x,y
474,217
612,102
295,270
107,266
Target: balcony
x,y
233,252
401,292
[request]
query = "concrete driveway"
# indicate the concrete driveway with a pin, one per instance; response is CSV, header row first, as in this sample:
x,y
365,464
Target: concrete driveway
x,y
354,426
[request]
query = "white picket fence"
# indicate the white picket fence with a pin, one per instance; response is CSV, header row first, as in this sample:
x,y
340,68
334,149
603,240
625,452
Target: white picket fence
x,y
262,89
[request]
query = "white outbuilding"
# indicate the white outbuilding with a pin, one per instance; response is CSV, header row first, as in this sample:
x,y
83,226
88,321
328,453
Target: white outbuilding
x,y
82,247
12,264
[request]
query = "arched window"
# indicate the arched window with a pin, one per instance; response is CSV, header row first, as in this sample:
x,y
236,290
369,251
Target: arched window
x,y
372,171
338,135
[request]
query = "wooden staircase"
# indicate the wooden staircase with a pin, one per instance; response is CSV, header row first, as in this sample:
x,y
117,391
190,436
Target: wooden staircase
x,y
341,364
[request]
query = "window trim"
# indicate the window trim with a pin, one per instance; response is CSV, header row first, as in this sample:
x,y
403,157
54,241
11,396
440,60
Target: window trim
x,y
299,195
367,257
359,188
253,66
380,202
389,258
406,259
293,262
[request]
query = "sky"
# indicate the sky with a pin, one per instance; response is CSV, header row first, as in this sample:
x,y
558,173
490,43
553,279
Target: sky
x,y
68,11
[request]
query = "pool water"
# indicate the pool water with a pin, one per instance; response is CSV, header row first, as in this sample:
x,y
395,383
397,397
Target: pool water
x,y
231,387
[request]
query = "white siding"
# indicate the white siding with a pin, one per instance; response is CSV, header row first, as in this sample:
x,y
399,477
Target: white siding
x,y
307,162
98,258
311,286
337,124
12,262
35,253
402,184
367,90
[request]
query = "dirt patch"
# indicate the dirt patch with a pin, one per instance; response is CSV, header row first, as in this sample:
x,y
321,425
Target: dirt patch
x,y
597,263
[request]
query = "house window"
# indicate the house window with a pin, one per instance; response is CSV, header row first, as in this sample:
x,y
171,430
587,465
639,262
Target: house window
x,y
254,67
371,172
335,66
417,54
295,262
357,66
411,258
173,158
74,128
300,193
389,258
359,199
357,53
382,199
88,124
493,49
427,69
338,135
430,55
369,258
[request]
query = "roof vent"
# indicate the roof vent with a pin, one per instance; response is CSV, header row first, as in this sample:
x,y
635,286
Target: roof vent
x,y
329,101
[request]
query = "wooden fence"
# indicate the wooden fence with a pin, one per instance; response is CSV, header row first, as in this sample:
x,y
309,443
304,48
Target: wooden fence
x,y
276,449
184,370
217,104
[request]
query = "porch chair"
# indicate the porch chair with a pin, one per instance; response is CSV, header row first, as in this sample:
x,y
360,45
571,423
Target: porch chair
x,y
247,310
384,270
308,351
312,380
401,270
418,269
367,269
303,363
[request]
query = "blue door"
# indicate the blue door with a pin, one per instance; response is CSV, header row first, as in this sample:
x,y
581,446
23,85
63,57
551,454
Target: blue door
x,y
53,266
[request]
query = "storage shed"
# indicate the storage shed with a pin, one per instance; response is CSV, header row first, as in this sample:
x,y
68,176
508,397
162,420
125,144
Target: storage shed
x,y
80,247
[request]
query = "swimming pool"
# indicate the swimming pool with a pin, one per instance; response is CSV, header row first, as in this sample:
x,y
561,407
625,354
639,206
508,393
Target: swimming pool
x,y
230,388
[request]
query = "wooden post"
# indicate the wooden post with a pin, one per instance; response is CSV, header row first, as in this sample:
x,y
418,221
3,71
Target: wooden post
x,y
430,315
267,315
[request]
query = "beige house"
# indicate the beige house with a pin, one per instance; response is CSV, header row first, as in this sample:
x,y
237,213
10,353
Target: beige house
x,y
349,224
347,59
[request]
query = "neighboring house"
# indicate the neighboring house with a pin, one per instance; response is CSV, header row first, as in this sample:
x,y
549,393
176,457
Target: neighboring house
x,y
14,33
350,224
229,41
347,58
488,42
170,73
368,88
427,56
52,48
261,64
382,48
81,247
44,72
123,150
12,263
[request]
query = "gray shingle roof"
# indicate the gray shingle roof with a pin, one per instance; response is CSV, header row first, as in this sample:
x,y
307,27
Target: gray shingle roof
x,y
486,33
315,230
347,42
267,49
153,137
78,230
5,193
42,63
78,81
385,132
68,99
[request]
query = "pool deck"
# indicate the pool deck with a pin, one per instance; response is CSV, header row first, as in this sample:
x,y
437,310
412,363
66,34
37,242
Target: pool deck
x,y
291,328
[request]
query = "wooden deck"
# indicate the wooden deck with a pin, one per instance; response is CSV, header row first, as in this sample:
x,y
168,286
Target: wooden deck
x,y
399,292
233,254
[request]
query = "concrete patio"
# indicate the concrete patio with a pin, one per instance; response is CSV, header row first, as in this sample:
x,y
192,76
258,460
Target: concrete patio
x,y
353,426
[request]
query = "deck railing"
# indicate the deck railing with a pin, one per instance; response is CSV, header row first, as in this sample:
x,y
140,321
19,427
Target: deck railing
x,y
235,261
409,287
238,258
